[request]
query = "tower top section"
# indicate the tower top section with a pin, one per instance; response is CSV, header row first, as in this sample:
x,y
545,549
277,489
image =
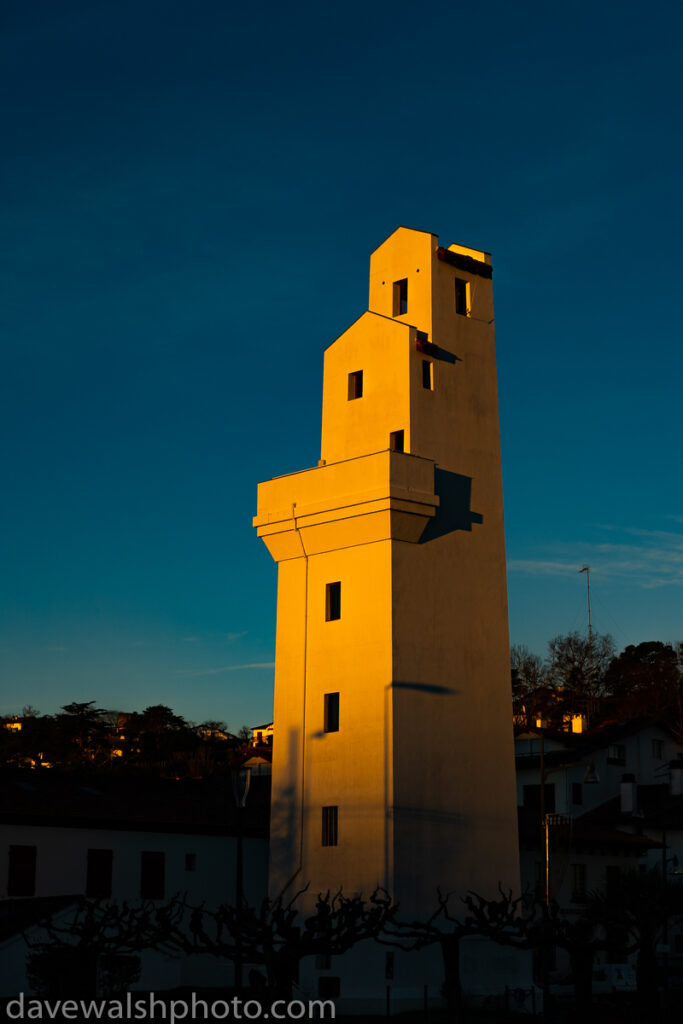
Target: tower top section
x,y
397,378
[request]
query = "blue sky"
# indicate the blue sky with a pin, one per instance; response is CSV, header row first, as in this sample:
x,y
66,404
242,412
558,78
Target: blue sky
x,y
191,192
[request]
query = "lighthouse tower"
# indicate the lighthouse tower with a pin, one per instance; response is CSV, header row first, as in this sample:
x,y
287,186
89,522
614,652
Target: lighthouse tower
x,y
393,758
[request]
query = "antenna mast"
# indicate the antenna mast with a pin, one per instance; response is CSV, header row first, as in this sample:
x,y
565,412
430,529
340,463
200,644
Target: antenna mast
x,y
587,570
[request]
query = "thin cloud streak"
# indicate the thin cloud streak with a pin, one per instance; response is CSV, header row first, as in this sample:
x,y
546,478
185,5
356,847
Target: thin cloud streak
x,y
655,562
222,668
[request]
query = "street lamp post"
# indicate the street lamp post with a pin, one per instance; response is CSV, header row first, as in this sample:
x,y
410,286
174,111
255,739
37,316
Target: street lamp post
x,y
241,778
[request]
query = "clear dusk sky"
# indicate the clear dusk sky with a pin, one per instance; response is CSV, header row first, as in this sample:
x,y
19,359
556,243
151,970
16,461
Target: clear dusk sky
x,y
191,192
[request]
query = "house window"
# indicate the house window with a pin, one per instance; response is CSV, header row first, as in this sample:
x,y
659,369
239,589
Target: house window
x,y
332,601
532,797
389,966
427,375
190,861
323,962
577,793
616,753
330,818
21,874
331,712
658,749
396,440
400,297
98,874
152,875
462,305
329,987
578,882
612,878
355,385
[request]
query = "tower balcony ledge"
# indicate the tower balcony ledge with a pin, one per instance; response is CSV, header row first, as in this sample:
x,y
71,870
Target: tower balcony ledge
x,y
386,495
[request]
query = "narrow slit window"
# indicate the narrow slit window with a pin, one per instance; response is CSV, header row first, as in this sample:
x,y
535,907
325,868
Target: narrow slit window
x,y
427,374
330,826
401,297
462,304
355,385
331,718
190,861
98,874
396,441
332,601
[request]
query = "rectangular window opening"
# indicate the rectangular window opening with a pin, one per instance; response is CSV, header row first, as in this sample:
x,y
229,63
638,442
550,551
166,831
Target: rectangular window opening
x,y
658,749
323,962
612,878
98,874
331,712
332,601
578,881
190,861
531,796
355,385
396,441
616,753
400,297
329,987
462,304
577,793
428,374
330,830
21,874
152,875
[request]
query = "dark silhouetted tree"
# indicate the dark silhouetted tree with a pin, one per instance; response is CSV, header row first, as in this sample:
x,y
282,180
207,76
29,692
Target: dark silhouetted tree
x,y
645,680
577,665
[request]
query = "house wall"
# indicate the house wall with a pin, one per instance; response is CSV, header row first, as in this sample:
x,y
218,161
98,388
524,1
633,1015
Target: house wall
x,y
61,862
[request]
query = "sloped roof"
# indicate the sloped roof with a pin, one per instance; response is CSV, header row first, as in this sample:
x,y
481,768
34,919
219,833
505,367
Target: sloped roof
x,y
137,803
586,830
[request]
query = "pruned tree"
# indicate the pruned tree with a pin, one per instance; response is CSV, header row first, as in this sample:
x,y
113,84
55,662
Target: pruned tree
x,y
277,935
97,946
638,907
506,920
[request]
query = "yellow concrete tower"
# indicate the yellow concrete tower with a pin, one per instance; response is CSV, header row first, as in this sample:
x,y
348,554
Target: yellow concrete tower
x,y
393,758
